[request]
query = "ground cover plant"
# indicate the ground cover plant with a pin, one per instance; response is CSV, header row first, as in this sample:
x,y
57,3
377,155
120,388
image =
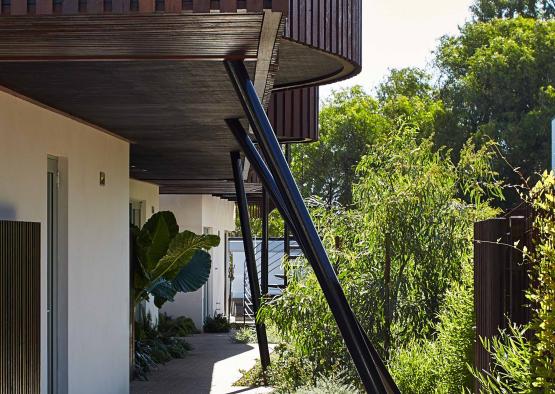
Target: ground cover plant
x,y
153,347
216,324
176,327
247,334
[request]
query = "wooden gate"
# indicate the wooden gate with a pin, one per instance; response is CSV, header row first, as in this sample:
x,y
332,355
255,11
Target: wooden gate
x,y
500,277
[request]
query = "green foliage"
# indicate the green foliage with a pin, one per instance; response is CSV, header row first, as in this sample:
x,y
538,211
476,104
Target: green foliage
x,y
397,252
176,327
288,371
327,385
350,123
216,324
245,335
439,364
161,253
153,348
190,278
542,296
486,10
511,354
497,83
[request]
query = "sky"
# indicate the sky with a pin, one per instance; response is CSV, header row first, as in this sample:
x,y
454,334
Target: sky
x,y
402,33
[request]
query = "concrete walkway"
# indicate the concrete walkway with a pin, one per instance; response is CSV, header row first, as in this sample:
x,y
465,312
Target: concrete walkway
x,y
210,368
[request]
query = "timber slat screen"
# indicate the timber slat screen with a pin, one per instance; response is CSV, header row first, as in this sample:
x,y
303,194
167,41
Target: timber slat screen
x,y
294,114
68,7
500,278
19,307
331,25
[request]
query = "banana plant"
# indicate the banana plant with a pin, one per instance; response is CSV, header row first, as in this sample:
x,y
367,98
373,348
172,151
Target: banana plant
x,y
165,259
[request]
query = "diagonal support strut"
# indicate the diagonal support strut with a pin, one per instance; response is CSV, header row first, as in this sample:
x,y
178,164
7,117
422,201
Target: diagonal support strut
x,y
278,180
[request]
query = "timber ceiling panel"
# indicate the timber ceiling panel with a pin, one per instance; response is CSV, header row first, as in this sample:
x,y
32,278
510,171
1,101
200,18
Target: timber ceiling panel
x,y
137,36
172,112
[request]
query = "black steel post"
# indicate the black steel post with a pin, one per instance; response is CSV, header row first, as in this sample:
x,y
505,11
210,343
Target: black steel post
x,y
286,232
374,379
265,243
249,256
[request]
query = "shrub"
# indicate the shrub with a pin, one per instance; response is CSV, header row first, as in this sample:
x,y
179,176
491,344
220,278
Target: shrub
x,y
288,371
329,385
511,355
440,364
153,348
176,327
245,335
397,252
216,324
542,296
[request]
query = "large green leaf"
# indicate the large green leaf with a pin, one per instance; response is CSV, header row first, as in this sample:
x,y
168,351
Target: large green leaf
x,y
194,274
181,250
155,238
162,290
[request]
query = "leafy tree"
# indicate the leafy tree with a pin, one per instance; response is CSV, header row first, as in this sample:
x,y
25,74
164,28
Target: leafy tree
x,y
486,10
497,81
396,251
408,96
351,121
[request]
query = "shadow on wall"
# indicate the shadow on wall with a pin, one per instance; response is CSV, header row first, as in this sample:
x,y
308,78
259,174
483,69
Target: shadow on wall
x,y
7,212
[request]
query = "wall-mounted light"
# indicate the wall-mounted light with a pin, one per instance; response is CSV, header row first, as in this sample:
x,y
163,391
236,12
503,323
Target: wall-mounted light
x,y
102,178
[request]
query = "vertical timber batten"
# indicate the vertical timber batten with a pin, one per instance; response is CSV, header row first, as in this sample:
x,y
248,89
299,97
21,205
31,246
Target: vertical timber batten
x,y
19,307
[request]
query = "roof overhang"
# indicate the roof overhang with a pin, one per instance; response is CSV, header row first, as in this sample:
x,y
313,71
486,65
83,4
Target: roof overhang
x,y
157,80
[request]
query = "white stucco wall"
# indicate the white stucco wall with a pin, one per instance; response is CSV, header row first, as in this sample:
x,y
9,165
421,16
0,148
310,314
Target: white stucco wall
x,y
96,223
196,213
148,194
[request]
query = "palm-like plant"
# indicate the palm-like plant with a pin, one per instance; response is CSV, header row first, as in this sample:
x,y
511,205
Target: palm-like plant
x,y
166,261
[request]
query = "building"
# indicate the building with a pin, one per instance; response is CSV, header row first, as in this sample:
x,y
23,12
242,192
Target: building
x,y
111,110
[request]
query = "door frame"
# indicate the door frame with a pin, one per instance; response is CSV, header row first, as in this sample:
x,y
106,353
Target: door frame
x,y
56,276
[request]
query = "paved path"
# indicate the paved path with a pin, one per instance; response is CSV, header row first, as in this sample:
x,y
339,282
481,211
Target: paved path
x,y
210,368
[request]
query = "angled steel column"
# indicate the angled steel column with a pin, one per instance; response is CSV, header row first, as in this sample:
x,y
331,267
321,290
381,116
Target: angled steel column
x,y
265,243
249,255
374,378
